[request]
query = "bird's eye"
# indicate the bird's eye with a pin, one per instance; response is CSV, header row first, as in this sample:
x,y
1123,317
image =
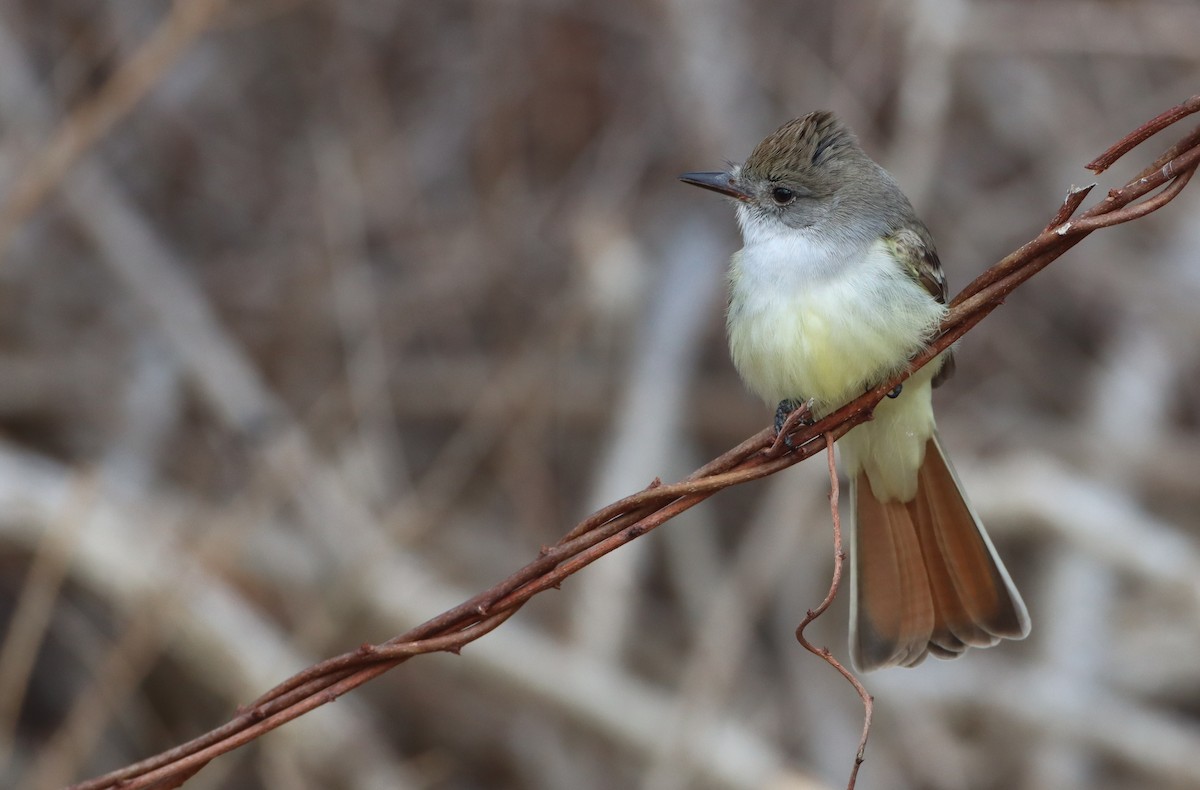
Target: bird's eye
x,y
782,196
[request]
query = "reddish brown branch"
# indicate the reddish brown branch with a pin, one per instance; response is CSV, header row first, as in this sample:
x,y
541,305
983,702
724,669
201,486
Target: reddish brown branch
x,y
823,652
624,521
1143,133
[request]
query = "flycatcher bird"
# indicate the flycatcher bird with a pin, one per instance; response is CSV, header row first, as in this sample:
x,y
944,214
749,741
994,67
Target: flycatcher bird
x,y
836,287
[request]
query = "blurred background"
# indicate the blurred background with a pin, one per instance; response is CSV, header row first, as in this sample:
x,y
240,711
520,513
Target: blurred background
x,y
317,318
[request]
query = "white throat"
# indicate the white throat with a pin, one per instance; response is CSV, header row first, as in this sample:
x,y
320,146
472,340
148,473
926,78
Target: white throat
x,y
777,255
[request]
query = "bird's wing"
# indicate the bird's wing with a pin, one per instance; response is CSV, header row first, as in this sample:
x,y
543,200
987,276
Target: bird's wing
x,y
912,246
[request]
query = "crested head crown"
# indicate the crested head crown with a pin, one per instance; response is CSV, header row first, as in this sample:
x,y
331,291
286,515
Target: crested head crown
x,y
800,145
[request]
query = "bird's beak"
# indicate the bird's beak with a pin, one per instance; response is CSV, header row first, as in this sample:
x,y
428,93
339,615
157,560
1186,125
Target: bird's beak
x,y
718,182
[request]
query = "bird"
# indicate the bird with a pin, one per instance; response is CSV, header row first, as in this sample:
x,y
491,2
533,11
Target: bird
x,y
836,287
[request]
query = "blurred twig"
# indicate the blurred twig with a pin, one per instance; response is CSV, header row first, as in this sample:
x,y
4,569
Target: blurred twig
x,y
88,123
633,516
28,628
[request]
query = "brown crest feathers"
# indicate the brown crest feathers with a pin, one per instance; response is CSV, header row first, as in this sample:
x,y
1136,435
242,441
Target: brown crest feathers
x,y
800,145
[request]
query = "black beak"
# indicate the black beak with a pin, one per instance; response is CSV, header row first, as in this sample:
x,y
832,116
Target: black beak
x,y
717,182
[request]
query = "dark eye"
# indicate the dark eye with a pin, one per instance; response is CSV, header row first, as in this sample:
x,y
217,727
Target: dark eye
x,y
782,196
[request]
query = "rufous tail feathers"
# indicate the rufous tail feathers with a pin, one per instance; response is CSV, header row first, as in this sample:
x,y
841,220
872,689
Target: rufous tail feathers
x,y
925,578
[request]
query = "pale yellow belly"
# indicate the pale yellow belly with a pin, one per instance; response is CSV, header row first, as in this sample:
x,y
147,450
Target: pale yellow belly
x,y
827,343
827,339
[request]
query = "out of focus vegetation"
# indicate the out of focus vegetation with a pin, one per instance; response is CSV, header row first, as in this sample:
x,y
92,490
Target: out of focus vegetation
x,y
362,302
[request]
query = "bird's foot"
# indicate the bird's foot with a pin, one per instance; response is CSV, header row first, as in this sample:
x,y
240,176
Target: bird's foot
x,y
790,415
895,393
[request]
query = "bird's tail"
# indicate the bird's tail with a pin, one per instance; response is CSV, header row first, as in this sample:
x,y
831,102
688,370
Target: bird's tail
x,y
925,577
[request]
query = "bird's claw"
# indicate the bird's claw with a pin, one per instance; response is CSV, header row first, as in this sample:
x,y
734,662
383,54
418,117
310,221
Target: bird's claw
x,y
783,411
789,415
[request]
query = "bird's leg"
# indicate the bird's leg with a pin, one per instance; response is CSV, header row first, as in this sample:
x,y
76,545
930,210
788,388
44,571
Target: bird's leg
x,y
789,415
782,411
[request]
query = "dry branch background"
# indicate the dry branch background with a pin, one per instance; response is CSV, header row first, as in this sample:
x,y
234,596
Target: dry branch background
x,y
317,317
